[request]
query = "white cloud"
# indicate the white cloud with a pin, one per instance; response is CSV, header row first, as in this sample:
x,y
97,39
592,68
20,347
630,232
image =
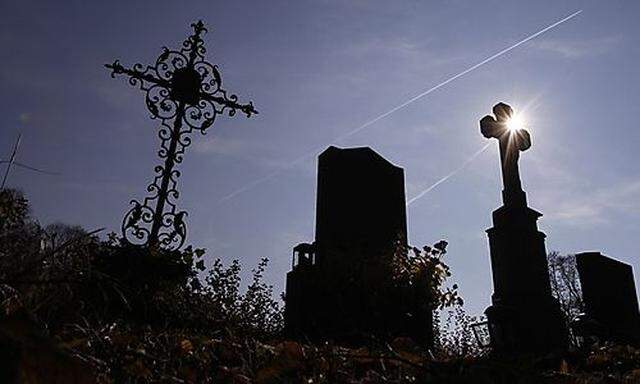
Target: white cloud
x,y
415,55
264,154
575,49
598,206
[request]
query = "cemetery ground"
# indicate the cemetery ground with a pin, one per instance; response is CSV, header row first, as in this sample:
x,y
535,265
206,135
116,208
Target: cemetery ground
x,y
78,309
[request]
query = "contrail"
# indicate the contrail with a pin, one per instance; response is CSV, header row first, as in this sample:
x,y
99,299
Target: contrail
x,y
270,175
452,78
254,183
460,168
406,103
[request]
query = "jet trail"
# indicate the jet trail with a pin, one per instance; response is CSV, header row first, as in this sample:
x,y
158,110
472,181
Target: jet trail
x,y
406,103
447,177
270,175
452,78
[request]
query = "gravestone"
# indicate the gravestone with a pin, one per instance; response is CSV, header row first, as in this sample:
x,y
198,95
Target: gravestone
x,y
609,295
360,204
336,288
524,317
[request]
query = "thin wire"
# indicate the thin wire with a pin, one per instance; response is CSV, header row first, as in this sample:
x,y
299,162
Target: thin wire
x,y
11,162
35,169
11,159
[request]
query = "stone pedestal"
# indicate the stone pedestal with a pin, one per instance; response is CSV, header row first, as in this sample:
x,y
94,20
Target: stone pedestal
x,y
524,317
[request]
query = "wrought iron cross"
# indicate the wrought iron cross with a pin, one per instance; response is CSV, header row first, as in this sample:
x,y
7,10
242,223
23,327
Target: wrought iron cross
x,y
512,141
185,93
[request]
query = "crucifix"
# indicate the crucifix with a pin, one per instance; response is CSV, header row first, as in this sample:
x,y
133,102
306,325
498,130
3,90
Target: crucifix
x,y
524,317
512,140
184,92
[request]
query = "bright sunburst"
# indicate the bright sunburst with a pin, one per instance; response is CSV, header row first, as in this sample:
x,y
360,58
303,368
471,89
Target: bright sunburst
x,y
515,123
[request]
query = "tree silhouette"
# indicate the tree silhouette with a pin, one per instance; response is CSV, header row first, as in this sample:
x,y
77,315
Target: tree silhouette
x,y
565,286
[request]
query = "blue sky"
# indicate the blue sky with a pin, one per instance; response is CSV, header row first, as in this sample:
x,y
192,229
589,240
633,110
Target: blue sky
x,y
316,70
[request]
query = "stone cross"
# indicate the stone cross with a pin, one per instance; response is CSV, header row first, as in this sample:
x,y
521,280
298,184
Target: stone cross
x,y
512,141
524,317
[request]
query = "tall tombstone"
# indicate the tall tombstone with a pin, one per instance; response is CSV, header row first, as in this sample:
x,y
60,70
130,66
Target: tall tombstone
x,y
609,294
336,287
360,208
524,317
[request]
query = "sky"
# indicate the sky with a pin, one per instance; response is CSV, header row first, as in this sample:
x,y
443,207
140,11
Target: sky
x,y
316,70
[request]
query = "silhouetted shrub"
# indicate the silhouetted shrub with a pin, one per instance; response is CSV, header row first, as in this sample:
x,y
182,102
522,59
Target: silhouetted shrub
x,y
454,335
64,275
137,316
425,268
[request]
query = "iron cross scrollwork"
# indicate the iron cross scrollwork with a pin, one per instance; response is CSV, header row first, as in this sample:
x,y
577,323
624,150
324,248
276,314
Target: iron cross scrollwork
x,y
184,92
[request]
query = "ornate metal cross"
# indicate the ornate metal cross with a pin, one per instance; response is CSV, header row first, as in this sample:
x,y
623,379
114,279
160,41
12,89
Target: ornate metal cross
x,y
512,141
184,92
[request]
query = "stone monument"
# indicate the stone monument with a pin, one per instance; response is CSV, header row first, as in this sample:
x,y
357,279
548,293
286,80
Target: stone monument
x,y
338,287
524,317
610,299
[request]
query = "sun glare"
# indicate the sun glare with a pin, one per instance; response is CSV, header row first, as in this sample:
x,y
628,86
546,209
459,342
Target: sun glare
x,y
515,123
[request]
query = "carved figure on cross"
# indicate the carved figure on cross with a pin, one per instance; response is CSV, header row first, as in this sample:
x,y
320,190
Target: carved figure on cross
x,y
512,140
185,93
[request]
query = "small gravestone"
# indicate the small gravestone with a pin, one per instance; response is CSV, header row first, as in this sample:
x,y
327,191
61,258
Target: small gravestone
x,y
524,317
610,299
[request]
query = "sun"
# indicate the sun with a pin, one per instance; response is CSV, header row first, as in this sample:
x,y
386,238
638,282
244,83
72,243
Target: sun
x,y
515,122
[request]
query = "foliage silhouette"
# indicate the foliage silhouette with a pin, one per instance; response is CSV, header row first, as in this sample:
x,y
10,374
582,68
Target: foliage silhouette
x,y
565,286
127,315
426,268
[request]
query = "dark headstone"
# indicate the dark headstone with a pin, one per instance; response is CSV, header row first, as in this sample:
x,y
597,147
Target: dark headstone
x,y
361,209
524,317
337,288
609,295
